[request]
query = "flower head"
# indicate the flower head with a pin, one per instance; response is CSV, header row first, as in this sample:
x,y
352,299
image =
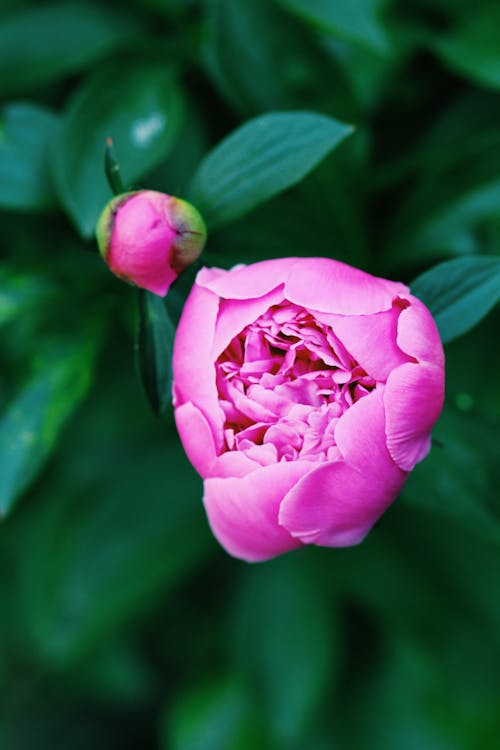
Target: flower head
x,y
305,391
148,238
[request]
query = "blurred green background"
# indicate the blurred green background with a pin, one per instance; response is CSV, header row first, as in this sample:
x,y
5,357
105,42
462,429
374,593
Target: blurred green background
x,y
122,623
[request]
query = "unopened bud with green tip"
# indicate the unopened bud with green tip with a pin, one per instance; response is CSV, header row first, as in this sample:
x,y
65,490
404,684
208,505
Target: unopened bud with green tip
x,y
148,238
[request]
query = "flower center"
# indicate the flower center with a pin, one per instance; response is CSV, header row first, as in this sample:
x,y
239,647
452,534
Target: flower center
x,y
283,383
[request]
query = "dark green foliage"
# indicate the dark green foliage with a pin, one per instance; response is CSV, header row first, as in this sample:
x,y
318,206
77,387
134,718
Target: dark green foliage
x,y
122,623
154,342
261,159
459,293
139,106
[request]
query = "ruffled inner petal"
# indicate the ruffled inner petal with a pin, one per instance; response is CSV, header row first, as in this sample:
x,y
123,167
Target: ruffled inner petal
x,y
284,382
286,377
372,339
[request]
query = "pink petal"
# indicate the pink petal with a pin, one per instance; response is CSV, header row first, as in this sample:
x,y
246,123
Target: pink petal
x,y
196,437
206,275
244,282
371,339
193,366
235,315
418,335
243,512
233,464
141,242
413,400
197,440
337,504
360,434
330,286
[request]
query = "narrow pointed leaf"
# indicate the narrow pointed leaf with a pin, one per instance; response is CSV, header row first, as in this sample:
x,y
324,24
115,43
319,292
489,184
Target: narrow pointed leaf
x,y
261,159
155,339
353,21
32,421
26,131
39,45
459,293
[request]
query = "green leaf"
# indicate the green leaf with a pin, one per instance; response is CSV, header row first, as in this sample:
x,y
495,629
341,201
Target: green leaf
x,y
353,21
329,203
140,107
466,132
30,425
41,45
130,525
261,159
464,388
286,644
260,60
440,221
459,293
19,294
449,185
25,134
155,340
462,467
174,174
472,48
214,716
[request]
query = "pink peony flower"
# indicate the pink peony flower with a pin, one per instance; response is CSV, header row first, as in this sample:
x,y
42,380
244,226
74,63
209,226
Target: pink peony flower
x,y
305,390
147,238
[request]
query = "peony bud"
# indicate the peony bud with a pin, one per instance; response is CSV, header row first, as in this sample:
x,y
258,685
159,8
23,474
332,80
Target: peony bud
x,y
148,238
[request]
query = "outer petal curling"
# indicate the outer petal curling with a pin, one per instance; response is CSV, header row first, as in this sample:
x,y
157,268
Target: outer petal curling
x,y
370,339
331,286
201,452
338,503
413,401
248,282
193,366
243,512
234,315
418,335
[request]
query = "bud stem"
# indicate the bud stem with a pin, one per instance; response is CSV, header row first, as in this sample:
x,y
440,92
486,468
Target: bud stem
x,y
112,168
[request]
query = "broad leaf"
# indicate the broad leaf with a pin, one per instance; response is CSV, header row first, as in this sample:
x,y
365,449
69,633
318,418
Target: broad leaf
x,y
130,525
30,425
463,466
354,21
217,715
459,293
25,134
286,644
472,49
260,60
261,159
19,294
448,215
41,44
140,107
155,339
453,206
